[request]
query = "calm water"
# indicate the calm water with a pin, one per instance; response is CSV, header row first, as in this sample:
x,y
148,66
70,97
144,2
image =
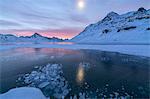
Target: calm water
x,y
112,71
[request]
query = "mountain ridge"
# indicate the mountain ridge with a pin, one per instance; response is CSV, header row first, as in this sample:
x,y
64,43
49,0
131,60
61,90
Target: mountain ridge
x,y
131,27
33,38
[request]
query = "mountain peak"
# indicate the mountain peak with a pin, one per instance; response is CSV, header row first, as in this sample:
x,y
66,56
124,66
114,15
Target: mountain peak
x,y
36,34
110,16
131,27
33,38
141,9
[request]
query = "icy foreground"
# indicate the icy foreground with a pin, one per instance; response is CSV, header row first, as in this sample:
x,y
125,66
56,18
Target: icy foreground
x,y
132,27
48,78
23,93
35,93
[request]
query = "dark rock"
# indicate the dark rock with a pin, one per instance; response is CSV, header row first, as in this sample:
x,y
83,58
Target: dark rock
x,y
126,28
148,28
106,31
110,16
141,9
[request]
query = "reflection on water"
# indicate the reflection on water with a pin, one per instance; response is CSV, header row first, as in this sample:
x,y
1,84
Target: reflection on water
x,y
15,43
106,69
80,74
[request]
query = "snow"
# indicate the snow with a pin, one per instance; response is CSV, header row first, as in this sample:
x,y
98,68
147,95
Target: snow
x,y
23,93
130,28
33,38
118,29
140,50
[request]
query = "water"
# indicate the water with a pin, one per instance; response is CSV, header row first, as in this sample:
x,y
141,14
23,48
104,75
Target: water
x,y
107,72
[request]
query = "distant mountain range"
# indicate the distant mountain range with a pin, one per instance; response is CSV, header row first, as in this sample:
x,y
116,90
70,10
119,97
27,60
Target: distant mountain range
x,y
33,38
132,27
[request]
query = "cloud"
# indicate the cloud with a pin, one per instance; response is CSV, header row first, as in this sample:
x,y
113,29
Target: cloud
x,y
58,17
61,33
8,23
79,18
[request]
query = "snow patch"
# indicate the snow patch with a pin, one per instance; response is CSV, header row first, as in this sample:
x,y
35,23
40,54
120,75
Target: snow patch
x,y
23,93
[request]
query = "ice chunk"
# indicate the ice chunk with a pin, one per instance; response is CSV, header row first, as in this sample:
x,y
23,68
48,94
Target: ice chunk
x,y
44,84
49,77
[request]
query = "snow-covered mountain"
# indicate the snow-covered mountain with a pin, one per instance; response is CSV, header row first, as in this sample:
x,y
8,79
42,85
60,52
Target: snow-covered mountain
x,y
34,38
132,27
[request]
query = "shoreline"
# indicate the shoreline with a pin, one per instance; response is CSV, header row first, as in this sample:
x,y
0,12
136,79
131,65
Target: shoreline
x,y
139,50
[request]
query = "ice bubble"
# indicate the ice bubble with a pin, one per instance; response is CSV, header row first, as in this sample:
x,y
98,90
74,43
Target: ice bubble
x,y
75,97
107,85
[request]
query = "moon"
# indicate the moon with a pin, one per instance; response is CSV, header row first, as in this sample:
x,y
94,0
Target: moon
x,y
81,4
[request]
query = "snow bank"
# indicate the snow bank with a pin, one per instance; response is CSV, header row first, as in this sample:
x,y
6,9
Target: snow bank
x,y
23,93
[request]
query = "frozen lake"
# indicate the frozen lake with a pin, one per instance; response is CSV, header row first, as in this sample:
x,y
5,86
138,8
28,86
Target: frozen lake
x,y
107,72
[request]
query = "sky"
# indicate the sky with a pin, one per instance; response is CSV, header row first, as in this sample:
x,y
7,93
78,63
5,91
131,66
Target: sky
x,y
58,18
